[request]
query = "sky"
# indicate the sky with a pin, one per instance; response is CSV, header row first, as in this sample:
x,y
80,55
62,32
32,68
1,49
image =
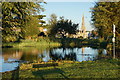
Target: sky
x,y
71,0
70,10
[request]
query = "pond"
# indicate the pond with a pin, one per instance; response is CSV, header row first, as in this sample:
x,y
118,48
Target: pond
x,y
11,57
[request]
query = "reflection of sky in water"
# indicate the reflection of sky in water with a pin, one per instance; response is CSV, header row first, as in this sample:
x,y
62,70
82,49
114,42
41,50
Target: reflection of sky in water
x,y
8,66
1,62
104,52
46,56
85,54
80,54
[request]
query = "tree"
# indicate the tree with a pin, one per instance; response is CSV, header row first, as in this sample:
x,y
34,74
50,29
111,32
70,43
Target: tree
x,y
31,28
15,17
51,22
104,15
40,21
63,26
53,19
94,33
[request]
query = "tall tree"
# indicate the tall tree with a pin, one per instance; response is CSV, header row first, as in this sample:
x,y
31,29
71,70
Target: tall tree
x,y
104,15
15,17
53,19
31,27
51,22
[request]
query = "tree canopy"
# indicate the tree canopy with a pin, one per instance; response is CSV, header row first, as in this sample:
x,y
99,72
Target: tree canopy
x,y
63,26
104,15
17,19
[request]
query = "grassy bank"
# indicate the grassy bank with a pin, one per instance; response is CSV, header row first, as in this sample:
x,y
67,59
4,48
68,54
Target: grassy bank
x,y
31,43
107,68
66,42
77,42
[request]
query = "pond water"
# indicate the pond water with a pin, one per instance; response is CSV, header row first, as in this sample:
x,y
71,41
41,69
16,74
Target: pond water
x,y
11,57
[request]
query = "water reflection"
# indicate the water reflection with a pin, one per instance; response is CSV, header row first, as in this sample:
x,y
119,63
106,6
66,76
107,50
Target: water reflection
x,y
63,54
75,54
11,55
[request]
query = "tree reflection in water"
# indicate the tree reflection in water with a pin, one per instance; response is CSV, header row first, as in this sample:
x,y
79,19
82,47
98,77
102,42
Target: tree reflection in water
x,y
64,54
46,54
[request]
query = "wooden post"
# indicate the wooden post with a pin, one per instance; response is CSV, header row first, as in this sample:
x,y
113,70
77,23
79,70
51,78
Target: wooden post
x,y
113,41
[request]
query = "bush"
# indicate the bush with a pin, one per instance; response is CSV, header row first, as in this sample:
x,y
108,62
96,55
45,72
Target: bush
x,y
9,38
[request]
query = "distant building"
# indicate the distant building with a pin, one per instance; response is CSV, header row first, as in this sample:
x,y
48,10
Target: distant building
x,y
89,35
43,30
82,32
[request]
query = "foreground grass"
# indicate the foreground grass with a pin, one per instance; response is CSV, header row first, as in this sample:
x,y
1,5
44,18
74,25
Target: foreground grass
x,y
68,69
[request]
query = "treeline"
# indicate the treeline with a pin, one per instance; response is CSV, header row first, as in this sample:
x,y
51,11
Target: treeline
x,y
22,20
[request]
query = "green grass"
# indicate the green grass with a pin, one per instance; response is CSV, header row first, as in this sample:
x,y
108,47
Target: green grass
x,y
67,42
77,42
107,68
31,43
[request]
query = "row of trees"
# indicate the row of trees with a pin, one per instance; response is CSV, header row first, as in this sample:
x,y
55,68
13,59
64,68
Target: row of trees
x,y
20,20
104,15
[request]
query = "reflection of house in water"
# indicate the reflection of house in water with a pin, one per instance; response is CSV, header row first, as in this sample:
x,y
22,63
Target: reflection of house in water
x,y
74,54
85,54
13,55
83,50
82,53
26,54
